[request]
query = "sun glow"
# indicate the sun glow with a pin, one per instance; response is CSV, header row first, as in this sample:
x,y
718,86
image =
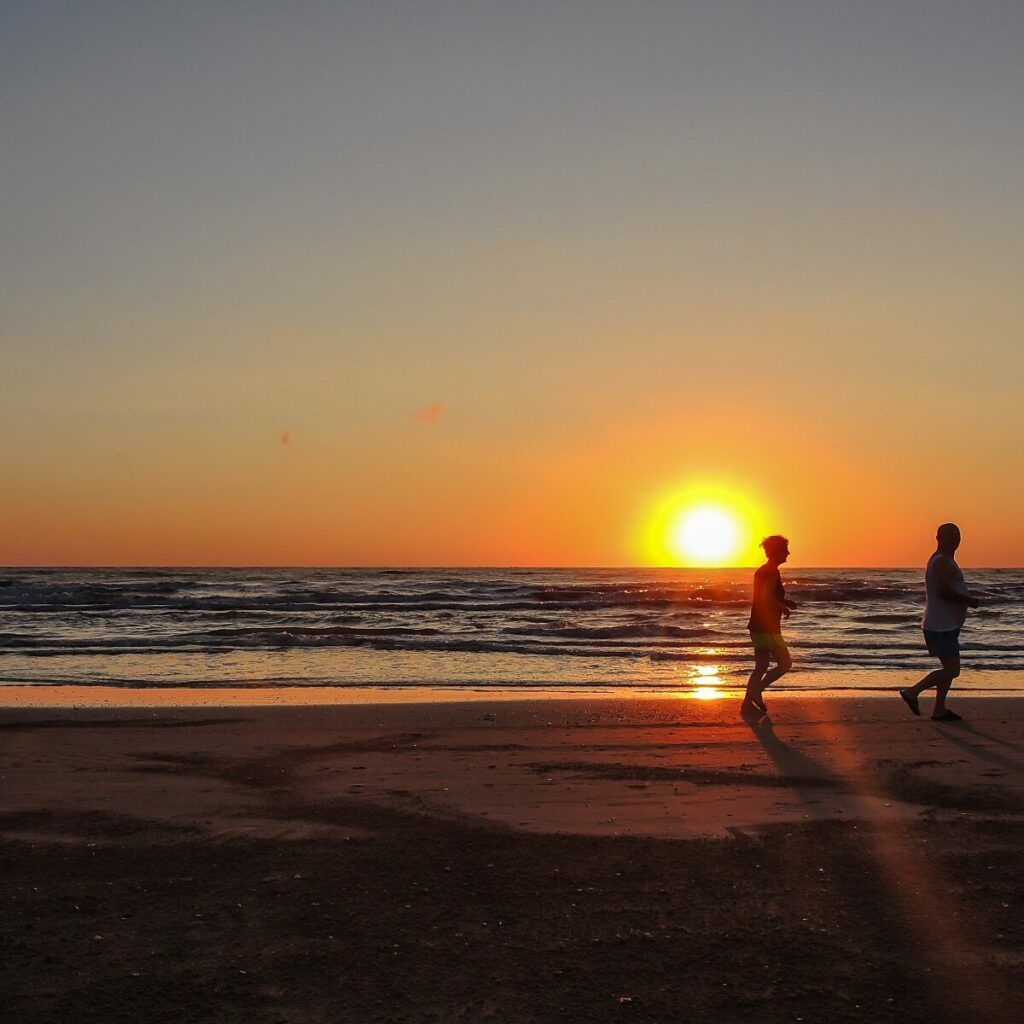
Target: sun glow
x,y
705,527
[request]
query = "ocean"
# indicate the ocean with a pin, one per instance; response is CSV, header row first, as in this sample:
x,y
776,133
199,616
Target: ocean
x,y
493,629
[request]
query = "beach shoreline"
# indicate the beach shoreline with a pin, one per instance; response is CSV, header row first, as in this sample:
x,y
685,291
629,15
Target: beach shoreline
x,y
714,690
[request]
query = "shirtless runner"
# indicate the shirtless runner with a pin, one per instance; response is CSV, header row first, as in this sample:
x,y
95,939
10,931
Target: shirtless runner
x,y
768,606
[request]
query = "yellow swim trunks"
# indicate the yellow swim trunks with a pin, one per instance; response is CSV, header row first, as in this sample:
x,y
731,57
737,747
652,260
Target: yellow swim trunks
x,y
768,641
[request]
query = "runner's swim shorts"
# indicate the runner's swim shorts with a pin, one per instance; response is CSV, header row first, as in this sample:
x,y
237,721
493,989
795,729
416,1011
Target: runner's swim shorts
x,y
943,643
768,642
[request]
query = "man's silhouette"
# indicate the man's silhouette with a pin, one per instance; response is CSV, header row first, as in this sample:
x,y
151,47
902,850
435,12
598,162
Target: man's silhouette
x,y
767,608
947,601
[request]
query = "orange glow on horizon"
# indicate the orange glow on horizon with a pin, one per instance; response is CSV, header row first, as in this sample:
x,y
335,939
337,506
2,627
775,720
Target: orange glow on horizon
x,y
615,498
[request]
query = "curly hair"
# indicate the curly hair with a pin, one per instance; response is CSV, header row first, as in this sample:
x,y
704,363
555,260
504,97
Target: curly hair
x,y
776,542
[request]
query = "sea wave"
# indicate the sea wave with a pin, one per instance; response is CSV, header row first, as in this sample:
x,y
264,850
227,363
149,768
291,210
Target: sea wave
x,y
172,619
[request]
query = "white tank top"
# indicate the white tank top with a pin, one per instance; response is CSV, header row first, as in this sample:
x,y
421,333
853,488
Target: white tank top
x,y
940,614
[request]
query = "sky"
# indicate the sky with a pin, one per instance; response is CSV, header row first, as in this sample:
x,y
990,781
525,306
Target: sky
x,y
442,283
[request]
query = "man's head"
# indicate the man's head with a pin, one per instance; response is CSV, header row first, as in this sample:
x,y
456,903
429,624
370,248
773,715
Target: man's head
x,y
776,548
948,537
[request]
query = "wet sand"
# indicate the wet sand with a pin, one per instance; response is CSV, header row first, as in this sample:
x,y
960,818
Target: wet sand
x,y
593,860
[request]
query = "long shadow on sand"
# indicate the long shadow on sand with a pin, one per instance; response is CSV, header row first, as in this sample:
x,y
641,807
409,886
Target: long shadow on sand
x,y
794,766
899,783
970,727
949,734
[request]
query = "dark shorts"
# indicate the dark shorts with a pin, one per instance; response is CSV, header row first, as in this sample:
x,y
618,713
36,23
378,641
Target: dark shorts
x,y
944,643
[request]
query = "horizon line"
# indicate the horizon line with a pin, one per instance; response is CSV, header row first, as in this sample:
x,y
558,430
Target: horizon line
x,y
467,568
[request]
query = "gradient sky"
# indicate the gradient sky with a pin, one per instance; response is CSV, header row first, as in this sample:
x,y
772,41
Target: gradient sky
x,y
481,283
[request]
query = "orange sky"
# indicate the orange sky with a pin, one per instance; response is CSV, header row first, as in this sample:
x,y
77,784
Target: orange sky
x,y
368,287
440,493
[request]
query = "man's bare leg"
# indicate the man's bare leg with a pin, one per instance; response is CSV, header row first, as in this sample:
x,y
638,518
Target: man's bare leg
x,y
951,669
752,698
783,663
941,679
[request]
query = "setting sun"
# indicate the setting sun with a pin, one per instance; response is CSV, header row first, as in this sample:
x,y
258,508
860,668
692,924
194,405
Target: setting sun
x,y
704,526
707,536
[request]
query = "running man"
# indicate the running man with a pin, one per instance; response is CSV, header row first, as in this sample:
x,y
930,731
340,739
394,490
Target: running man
x,y
768,606
947,600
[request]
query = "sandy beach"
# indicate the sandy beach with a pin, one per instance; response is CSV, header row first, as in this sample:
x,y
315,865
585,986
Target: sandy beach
x,y
597,860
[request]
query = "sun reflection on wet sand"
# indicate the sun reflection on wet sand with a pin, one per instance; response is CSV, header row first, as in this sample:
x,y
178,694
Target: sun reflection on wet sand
x,y
706,680
707,693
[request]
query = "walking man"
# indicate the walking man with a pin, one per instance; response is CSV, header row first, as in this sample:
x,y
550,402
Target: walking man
x,y
767,608
947,601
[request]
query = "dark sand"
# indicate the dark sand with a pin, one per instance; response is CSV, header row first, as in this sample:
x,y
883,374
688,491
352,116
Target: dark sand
x,y
589,861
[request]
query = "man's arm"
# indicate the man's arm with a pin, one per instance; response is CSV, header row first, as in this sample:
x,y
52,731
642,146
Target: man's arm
x,y
783,604
948,585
